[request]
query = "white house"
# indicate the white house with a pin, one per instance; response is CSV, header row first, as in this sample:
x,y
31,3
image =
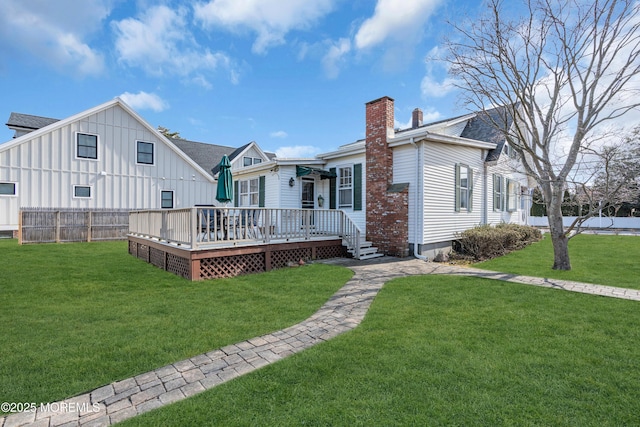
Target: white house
x,y
105,157
409,190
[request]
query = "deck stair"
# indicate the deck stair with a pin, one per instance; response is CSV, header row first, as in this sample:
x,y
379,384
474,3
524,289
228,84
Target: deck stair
x,y
367,251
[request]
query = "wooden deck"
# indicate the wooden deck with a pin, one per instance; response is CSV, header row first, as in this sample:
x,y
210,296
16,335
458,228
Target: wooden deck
x,y
216,262
209,242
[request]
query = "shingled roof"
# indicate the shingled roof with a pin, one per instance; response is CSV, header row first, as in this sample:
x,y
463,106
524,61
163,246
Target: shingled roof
x,y
482,128
206,155
28,122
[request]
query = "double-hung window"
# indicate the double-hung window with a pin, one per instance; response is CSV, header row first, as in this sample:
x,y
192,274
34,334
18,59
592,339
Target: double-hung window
x,y
248,161
498,193
249,192
513,188
144,152
86,146
166,199
464,188
345,187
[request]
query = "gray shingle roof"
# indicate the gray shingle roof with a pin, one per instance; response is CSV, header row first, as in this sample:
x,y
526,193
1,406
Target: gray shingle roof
x,y
208,156
27,121
483,128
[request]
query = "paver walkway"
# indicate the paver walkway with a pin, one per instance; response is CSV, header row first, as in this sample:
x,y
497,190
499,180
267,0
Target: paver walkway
x,y
125,399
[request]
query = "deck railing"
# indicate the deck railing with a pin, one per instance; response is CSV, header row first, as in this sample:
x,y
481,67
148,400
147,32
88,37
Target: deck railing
x,y
220,226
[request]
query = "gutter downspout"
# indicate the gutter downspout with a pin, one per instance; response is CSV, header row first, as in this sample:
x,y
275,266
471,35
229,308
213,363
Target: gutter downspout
x,y
485,194
418,191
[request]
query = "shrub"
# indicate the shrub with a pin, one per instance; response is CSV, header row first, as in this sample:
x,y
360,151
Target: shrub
x,y
485,241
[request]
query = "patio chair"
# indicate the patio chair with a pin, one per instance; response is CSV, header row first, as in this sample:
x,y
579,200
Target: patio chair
x,y
211,222
247,224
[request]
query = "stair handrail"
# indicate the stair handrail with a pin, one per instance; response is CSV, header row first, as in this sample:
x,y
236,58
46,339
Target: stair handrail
x,y
351,234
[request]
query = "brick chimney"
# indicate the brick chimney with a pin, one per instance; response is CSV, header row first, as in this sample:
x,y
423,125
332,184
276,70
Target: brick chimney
x,y
416,118
387,204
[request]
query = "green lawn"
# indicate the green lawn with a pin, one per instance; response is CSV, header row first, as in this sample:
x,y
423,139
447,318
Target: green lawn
x,y
604,260
444,350
78,316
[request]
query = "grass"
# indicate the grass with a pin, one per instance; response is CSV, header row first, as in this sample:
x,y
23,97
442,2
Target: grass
x,y
77,316
444,350
603,260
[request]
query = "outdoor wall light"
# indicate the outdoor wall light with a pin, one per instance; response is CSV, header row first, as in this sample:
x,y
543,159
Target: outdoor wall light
x,y
320,200
292,182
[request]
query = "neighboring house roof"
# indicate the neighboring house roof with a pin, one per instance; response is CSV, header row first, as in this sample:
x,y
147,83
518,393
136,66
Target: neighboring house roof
x,y
208,156
28,122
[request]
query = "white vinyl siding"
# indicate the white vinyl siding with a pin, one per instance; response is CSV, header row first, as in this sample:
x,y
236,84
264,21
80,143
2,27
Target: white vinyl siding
x,y
440,221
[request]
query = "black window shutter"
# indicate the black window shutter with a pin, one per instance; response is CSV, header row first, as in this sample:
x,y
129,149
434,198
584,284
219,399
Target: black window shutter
x,y
357,187
332,190
261,185
236,196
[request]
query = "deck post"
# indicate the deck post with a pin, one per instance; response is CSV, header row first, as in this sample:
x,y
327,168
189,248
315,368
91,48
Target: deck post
x,y
193,227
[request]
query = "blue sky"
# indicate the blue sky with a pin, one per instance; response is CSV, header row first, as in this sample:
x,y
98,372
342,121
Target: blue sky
x,y
292,75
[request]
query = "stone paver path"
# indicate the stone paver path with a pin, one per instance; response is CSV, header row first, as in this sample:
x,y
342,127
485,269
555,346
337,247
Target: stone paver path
x,y
124,399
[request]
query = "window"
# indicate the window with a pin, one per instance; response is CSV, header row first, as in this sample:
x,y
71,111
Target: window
x,y
7,189
81,191
249,192
86,146
513,188
345,187
166,199
464,188
498,193
248,161
144,153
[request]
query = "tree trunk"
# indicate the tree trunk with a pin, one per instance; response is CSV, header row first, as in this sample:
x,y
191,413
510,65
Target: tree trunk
x,y
558,238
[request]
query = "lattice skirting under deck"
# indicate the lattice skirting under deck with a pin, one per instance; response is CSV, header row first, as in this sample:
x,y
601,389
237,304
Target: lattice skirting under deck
x,y
230,262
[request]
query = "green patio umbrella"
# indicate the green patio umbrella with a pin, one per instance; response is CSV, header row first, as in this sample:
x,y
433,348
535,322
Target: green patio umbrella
x,y
224,193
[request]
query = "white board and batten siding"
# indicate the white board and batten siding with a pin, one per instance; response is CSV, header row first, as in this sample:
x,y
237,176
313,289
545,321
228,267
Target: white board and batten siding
x,y
45,168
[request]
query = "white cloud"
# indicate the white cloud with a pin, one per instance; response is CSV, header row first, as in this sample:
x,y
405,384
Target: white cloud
x,y
53,36
271,20
297,152
159,41
279,134
144,101
335,56
431,88
401,20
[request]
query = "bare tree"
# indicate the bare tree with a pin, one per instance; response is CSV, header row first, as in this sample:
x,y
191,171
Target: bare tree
x,y
563,71
616,180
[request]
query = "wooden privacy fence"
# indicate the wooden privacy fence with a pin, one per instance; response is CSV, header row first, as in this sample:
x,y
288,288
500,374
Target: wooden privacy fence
x,y
72,225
